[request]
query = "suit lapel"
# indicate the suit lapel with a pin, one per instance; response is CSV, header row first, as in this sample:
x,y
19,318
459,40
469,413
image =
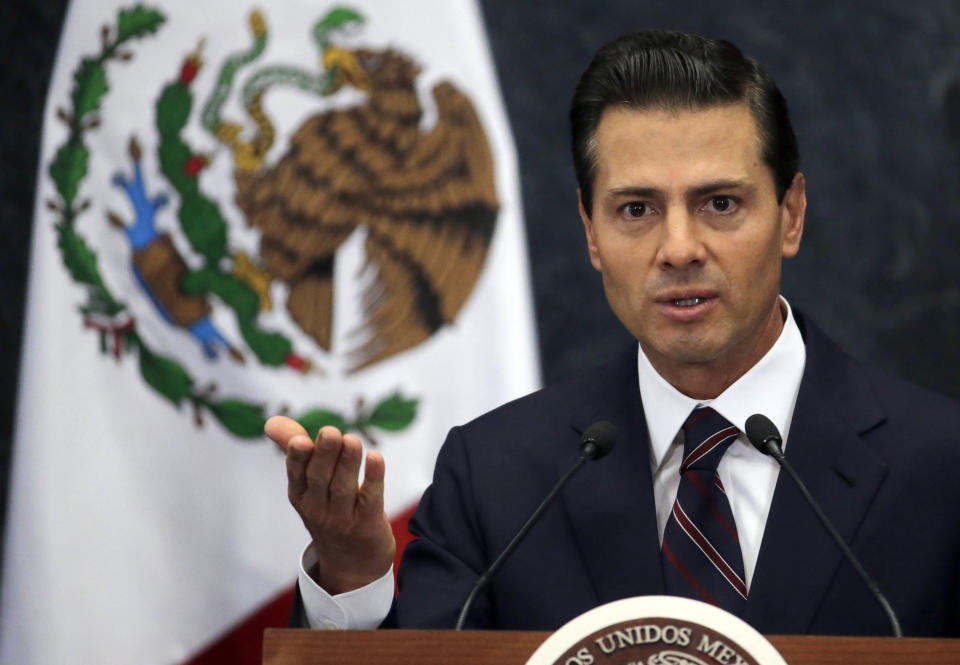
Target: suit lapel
x,y
610,502
797,558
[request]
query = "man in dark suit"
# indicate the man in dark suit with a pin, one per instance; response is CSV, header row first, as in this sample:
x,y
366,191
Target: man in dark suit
x,y
690,198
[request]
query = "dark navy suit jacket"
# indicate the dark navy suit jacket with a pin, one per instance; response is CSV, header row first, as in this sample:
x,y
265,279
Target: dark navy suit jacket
x,y
882,457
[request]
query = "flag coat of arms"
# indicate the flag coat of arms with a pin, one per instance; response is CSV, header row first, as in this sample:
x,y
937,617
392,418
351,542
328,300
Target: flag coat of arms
x,y
242,210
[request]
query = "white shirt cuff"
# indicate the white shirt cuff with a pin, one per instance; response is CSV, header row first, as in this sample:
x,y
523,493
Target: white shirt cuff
x,y
361,609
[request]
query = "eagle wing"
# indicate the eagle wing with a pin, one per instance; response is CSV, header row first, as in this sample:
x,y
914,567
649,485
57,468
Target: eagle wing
x,y
301,207
429,229
426,199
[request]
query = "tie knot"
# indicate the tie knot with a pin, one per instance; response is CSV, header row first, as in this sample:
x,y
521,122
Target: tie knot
x,y
706,437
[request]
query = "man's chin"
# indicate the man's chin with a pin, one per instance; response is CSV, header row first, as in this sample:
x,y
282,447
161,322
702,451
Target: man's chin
x,y
682,352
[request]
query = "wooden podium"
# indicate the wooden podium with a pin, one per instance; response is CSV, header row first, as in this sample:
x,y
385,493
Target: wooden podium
x,y
446,647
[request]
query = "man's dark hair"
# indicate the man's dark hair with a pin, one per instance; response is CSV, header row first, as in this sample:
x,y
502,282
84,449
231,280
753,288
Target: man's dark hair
x,y
657,69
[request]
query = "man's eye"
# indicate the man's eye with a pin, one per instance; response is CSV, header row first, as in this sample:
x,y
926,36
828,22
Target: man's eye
x,y
635,209
722,204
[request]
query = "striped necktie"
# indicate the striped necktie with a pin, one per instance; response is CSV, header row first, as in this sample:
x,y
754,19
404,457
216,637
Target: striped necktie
x,y
701,551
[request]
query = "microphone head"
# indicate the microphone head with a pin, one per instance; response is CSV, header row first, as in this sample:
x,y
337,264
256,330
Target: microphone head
x,y
759,430
598,439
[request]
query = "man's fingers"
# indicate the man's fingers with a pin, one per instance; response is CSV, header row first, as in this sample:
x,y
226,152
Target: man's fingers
x,y
370,499
343,483
324,461
282,429
299,450
354,541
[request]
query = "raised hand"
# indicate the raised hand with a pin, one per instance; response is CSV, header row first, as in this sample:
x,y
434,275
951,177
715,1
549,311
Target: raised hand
x,y
350,530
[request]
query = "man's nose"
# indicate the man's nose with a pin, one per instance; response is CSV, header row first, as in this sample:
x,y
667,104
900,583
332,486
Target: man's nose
x,y
681,244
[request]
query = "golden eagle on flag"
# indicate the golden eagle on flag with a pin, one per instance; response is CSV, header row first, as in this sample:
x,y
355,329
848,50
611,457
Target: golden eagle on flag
x,y
425,198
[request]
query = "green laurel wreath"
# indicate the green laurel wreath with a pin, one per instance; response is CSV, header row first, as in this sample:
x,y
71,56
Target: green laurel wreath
x,y
165,375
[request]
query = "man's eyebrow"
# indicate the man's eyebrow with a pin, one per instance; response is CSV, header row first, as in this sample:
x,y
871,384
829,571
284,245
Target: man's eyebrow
x,y
639,192
720,185
699,190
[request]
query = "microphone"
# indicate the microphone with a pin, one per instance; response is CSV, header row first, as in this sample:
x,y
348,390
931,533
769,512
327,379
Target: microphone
x,y
596,441
764,436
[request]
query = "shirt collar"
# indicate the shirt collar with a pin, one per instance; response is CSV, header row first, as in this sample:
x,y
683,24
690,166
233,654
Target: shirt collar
x,y
770,387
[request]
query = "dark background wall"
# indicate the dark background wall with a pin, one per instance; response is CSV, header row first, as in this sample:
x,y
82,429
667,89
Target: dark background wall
x,y
874,90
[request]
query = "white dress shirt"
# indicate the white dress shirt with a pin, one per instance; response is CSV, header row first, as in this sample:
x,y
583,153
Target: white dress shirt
x,y
770,387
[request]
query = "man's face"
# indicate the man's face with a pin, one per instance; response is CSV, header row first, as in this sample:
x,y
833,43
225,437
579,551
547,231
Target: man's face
x,y
688,235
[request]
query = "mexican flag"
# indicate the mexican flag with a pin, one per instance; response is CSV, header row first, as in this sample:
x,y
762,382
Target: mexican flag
x,y
243,210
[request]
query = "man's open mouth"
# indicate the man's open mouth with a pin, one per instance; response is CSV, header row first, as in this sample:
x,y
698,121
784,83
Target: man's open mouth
x,y
687,302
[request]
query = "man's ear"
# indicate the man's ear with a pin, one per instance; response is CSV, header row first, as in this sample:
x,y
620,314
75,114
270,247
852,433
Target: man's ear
x,y
588,228
792,211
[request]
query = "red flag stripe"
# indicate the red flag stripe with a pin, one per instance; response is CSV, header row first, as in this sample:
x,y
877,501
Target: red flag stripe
x,y
401,533
243,644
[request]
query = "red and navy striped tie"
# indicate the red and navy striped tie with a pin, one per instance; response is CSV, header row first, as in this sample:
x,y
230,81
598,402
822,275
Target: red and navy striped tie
x,y
701,550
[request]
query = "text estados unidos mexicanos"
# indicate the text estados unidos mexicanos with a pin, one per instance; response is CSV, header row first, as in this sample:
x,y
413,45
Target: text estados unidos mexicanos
x,y
631,636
